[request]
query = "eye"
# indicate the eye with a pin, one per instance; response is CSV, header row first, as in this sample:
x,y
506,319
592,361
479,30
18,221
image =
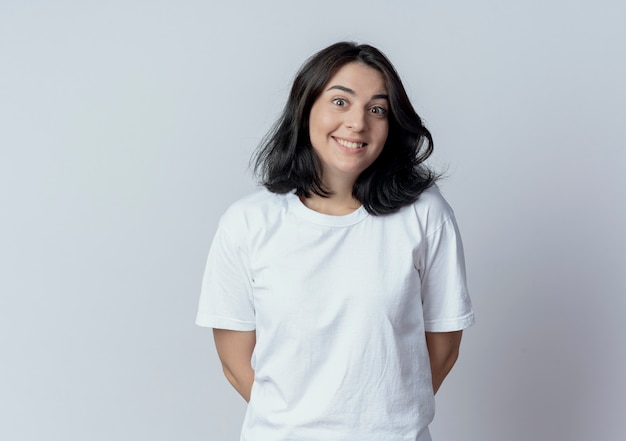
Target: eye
x,y
339,102
378,110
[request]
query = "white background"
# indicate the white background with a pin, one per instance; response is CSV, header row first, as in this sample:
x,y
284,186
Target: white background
x,y
125,131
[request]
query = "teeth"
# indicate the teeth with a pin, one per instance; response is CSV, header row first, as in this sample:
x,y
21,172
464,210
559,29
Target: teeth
x,y
350,145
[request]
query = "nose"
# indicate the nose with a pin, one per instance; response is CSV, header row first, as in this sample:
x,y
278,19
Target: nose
x,y
356,120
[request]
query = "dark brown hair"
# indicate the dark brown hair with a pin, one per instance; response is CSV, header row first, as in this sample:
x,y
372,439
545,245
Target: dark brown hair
x,y
285,161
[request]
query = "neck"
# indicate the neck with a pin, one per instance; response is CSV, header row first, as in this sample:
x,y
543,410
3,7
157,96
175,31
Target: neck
x,y
339,203
332,205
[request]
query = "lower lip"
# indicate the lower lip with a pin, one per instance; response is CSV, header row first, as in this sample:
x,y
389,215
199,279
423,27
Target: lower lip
x,y
349,150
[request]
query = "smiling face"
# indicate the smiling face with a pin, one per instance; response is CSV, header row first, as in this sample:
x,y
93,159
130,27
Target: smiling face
x,y
348,123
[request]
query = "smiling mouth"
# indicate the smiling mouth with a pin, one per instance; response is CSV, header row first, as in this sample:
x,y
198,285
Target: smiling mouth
x,y
349,144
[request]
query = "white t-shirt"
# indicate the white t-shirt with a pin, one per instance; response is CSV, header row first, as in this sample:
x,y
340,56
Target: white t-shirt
x,y
340,305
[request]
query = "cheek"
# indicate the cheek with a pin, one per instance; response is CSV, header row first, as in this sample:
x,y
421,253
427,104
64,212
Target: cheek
x,y
317,128
314,121
383,133
323,122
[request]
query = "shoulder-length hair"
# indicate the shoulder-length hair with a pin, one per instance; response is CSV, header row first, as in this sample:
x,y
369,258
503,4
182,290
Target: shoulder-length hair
x,y
285,160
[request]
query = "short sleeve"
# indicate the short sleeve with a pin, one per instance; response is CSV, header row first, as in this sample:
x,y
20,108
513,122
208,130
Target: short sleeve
x,y
226,296
445,298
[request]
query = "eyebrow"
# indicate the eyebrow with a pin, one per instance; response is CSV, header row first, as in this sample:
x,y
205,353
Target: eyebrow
x,y
353,93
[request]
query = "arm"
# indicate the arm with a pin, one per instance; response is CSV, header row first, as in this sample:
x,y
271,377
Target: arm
x,y
443,350
235,351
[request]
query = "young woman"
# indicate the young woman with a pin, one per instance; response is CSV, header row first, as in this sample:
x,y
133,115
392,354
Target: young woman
x,y
337,293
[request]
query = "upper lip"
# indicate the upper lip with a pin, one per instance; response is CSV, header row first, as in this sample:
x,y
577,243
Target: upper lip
x,y
358,141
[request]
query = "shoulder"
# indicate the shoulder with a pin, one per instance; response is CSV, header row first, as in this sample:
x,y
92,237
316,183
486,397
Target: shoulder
x,y
432,201
431,210
257,208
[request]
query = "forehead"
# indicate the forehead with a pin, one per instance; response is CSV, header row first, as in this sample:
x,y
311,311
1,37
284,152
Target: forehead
x,y
358,77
